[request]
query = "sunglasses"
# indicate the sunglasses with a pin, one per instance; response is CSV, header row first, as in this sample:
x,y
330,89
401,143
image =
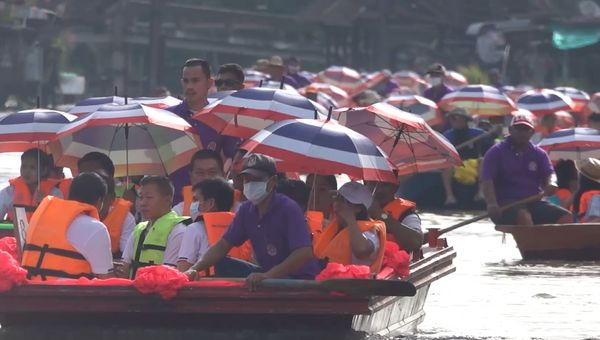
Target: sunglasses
x,y
226,82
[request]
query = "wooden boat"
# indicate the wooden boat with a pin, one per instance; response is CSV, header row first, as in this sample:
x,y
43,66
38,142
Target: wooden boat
x,y
224,309
571,242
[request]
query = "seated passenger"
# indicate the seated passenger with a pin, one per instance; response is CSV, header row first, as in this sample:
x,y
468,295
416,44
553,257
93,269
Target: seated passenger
x,y
65,238
215,199
294,189
25,189
352,237
586,206
158,239
402,223
320,202
567,181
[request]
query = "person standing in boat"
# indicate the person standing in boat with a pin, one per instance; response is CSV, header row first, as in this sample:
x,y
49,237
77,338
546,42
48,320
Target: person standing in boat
x,y
196,81
116,213
273,223
402,222
460,183
66,239
25,189
435,77
516,169
352,237
215,200
586,204
158,239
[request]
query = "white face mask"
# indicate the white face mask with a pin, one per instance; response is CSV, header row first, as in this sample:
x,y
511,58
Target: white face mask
x,y
293,69
435,81
194,208
255,191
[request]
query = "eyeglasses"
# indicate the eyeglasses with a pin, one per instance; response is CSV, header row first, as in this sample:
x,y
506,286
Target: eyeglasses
x,y
227,82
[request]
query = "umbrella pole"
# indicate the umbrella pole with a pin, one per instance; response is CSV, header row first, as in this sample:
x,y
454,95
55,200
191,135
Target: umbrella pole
x,y
126,156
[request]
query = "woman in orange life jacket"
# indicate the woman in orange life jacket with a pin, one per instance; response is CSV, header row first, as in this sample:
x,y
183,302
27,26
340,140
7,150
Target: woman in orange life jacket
x,y
352,237
568,183
320,202
204,164
215,199
402,223
586,205
24,190
116,214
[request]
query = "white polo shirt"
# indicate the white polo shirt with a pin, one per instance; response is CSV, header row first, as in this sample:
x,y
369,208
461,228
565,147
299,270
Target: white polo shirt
x,y
90,238
194,244
171,252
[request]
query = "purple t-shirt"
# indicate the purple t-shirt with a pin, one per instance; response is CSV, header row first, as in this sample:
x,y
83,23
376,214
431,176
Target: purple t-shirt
x,y
435,94
516,175
210,138
301,81
280,231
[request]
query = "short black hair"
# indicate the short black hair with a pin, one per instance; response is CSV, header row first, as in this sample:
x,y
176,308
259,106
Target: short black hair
x,y
88,187
165,187
218,189
105,161
294,189
193,62
46,162
234,69
207,154
565,172
594,117
330,180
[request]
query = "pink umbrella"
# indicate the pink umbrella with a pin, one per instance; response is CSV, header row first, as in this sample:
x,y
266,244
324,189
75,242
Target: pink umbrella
x,y
344,77
455,80
340,96
427,109
408,79
410,143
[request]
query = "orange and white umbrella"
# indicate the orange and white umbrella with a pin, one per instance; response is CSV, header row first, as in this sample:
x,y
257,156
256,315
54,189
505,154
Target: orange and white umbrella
x,y
480,100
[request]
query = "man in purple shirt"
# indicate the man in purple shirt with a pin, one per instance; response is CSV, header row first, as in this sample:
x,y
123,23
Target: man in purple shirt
x,y
273,223
293,66
196,81
516,169
438,89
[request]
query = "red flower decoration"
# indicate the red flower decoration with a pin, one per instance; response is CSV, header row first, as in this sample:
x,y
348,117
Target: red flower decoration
x,y
163,280
9,245
83,281
11,273
397,259
340,271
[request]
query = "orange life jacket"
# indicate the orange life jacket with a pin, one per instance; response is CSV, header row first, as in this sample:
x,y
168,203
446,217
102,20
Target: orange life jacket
x,y
584,202
47,254
64,186
215,224
114,222
22,195
398,209
315,219
335,244
188,198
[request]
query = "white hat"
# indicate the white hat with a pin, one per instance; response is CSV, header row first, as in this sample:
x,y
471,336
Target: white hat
x,y
356,193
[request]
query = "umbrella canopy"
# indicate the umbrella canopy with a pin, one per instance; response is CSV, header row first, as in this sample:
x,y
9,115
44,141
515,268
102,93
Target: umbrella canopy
x,y
32,126
580,98
480,100
564,120
513,92
213,97
247,111
270,84
157,102
455,80
574,144
321,147
346,78
340,96
140,140
421,106
253,78
92,104
408,79
409,142
543,101
594,104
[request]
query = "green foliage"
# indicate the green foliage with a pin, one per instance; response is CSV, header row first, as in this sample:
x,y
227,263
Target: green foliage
x,y
474,74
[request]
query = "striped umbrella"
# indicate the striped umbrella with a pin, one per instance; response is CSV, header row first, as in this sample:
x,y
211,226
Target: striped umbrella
x,y
321,147
253,78
580,98
270,84
340,96
140,140
594,104
425,108
480,100
410,143
37,126
514,92
346,78
455,80
157,102
564,120
574,144
213,97
247,111
543,101
326,100
92,104
408,79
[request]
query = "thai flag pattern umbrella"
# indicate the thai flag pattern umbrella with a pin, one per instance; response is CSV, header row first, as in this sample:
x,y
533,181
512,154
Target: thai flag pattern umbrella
x,y
157,102
340,96
346,78
253,78
92,104
270,84
543,101
574,144
409,142
321,147
455,80
140,140
515,92
247,111
480,100
408,79
580,98
213,97
421,106
594,104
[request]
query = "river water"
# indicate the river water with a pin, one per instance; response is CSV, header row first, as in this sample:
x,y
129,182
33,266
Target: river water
x,y
493,294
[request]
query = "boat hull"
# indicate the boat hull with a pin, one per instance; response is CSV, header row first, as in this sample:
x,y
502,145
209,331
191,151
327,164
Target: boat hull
x,y
569,242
